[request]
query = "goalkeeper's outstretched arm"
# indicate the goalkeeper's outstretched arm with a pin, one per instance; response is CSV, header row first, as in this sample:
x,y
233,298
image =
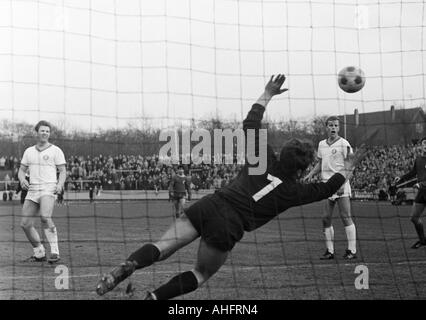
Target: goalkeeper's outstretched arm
x,y
272,88
255,115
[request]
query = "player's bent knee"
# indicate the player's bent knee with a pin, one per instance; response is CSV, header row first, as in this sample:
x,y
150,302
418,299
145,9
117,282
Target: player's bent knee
x,y
178,235
347,221
326,221
47,222
26,223
204,273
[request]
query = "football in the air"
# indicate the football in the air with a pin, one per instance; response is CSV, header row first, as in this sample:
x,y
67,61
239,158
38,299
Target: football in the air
x,y
351,79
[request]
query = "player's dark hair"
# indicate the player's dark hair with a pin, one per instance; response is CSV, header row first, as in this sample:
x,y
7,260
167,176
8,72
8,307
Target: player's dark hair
x,y
296,155
43,123
332,118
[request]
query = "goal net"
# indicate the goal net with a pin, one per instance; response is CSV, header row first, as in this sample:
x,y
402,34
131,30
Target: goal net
x,y
111,75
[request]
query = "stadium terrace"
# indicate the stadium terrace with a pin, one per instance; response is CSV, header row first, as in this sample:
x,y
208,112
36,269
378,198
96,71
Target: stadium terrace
x,y
202,151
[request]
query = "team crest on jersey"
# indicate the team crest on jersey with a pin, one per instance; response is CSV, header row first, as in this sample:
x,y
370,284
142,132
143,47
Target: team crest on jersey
x,y
45,157
333,151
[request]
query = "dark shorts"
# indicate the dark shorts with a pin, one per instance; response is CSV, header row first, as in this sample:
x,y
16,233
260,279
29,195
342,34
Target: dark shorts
x,y
216,221
178,195
421,196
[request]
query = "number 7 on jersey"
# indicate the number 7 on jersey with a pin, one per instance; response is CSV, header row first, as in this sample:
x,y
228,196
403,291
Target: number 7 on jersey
x,y
275,182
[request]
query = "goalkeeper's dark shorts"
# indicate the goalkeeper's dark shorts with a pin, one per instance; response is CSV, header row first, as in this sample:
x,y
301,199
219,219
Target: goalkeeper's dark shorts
x,y
216,221
421,196
178,195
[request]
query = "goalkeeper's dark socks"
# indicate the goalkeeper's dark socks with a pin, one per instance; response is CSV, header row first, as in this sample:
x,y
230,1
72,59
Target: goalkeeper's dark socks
x,y
182,283
145,256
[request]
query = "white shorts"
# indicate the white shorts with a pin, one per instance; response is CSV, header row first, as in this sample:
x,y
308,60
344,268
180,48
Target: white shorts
x,y
347,191
35,192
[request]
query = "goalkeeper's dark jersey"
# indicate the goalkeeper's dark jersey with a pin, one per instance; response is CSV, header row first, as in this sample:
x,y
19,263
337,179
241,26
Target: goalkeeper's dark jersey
x,y
419,170
179,184
259,198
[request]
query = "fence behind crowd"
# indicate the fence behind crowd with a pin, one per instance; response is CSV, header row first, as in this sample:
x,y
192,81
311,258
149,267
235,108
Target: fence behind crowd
x,y
79,191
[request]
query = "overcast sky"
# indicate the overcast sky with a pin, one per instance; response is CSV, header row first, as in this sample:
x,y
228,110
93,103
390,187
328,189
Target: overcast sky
x,y
103,63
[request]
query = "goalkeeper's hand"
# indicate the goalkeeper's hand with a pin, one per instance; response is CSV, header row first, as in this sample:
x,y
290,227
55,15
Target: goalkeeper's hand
x,y
273,87
416,186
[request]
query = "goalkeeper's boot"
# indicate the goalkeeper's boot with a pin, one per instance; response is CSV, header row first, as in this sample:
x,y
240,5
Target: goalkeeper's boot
x,y
349,255
327,255
418,244
111,280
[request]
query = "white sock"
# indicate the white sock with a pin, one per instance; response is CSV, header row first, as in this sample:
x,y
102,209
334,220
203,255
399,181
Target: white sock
x,y
329,238
52,237
39,252
351,235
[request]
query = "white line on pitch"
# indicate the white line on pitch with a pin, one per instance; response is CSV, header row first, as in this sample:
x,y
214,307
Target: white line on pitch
x,y
238,268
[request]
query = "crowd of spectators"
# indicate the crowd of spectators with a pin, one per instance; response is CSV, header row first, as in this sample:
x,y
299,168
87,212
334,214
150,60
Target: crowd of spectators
x,y
9,163
382,165
131,172
135,172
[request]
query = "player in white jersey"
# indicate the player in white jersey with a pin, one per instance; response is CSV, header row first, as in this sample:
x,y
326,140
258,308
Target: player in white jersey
x,y
42,162
331,154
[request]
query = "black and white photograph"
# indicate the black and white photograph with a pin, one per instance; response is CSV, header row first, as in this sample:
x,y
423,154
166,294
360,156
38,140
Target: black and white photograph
x,y
212,150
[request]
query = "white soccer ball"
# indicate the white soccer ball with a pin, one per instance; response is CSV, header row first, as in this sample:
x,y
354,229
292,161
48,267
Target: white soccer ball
x,y
351,79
